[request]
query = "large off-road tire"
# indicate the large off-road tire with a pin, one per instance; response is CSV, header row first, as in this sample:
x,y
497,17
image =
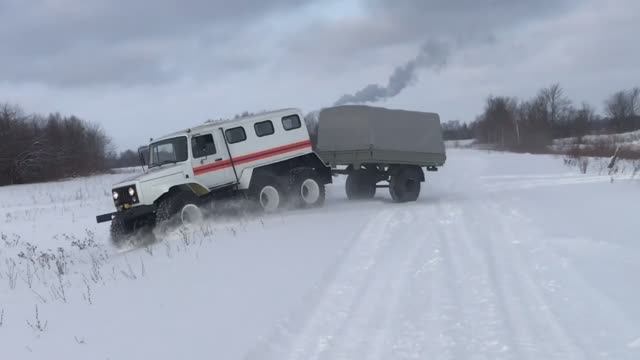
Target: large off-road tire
x,y
360,185
120,231
307,191
180,208
403,187
269,194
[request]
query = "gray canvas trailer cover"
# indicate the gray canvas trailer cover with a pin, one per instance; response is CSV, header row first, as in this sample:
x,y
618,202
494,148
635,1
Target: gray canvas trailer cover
x,y
355,135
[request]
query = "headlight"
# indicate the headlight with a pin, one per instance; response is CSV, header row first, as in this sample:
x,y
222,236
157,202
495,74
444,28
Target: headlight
x,y
115,195
132,191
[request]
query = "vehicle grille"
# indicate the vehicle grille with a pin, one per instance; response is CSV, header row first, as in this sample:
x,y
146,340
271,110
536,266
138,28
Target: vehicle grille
x,y
124,199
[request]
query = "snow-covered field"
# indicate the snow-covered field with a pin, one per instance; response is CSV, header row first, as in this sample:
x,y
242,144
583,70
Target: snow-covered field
x,y
504,256
458,144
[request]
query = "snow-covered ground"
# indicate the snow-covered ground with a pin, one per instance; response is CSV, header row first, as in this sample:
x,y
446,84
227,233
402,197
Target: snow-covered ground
x,y
504,256
456,144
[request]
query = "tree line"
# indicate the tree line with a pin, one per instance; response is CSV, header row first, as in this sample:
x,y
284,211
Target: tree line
x,y
533,124
35,148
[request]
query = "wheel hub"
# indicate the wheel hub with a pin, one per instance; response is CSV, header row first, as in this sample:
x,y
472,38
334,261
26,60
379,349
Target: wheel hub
x,y
310,191
269,198
190,215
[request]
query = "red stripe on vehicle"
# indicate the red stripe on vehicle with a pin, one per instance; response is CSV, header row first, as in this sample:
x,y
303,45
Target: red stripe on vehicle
x,y
211,167
253,157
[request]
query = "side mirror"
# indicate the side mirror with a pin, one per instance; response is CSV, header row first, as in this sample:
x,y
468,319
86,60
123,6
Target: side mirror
x,y
143,154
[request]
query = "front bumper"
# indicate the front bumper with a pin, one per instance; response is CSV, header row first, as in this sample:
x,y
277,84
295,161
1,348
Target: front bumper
x,y
129,214
105,217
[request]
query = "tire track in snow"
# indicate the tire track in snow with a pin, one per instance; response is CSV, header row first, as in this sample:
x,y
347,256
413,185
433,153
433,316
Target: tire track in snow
x,y
506,339
388,298
538,332
571,292
426,322
312,336
276,344
438,281
438,317
450,309
412,302
367,335
484,329
498,298
417,319
344,338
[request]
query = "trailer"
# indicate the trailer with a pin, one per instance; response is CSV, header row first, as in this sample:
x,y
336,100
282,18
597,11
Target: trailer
x,y
373,145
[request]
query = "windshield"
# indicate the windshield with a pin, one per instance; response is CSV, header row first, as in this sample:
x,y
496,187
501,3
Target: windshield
x,y
168,151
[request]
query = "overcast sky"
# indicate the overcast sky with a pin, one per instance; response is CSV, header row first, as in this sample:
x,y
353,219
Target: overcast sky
x,y
142,68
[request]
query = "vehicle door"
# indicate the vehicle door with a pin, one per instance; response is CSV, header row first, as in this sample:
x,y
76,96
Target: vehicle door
x,y
210,160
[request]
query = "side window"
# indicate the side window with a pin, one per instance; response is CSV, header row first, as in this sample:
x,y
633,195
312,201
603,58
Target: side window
x,y
202,146
263,128
291,122
235,135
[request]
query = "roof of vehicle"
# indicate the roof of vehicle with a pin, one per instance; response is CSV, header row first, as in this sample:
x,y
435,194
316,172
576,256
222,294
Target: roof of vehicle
x,y
218,123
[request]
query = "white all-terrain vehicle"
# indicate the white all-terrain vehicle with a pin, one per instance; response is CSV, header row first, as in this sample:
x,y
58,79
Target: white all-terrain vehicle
x,y
269,159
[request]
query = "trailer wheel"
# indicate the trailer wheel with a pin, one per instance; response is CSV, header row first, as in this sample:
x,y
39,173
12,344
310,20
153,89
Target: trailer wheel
x,y
403,187
180,208
269,194
120,230
360,185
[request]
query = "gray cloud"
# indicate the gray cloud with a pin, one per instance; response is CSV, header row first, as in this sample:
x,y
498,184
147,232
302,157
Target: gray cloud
x,y
433,54
388,23
75,43
125,42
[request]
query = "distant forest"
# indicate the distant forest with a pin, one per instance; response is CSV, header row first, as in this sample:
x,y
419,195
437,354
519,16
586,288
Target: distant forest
x,y
531,125
35,148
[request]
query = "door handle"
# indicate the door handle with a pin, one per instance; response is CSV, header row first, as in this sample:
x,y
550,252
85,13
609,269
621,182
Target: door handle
x,y
219,159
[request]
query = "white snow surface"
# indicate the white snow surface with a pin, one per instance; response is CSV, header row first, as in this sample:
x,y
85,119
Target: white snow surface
x,y
466,143
504,256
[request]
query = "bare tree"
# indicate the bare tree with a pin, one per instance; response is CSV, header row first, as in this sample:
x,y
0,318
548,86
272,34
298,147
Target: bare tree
x,y
12,131
617,106
535,126
498,124
582,120
620,109
127,158
556,102
456,130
